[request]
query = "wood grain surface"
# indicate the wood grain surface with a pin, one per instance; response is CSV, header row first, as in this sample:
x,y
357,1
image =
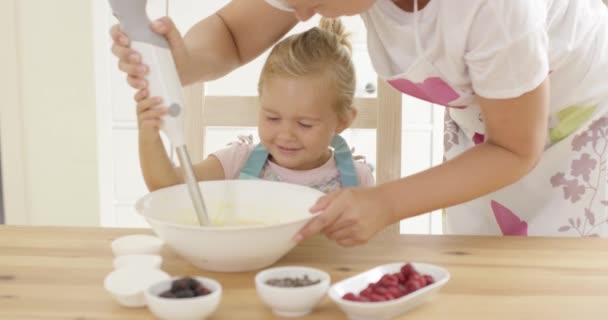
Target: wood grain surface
x,y
58,272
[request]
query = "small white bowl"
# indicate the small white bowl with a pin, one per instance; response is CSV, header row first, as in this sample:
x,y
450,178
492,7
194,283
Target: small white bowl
x,y
138,261
137,244
194,308
127,284
386,309
292,301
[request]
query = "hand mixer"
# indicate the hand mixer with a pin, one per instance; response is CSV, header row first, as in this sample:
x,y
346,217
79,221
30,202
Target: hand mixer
x,y
163,81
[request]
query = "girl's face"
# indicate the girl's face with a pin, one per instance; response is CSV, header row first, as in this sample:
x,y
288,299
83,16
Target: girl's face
x,y
297,121
305,9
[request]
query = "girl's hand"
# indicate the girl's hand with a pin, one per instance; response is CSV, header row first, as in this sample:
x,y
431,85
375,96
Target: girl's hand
x,y
129,60
149,116
350,216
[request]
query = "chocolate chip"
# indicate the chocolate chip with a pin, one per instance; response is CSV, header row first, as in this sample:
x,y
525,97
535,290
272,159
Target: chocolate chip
x,y
292,282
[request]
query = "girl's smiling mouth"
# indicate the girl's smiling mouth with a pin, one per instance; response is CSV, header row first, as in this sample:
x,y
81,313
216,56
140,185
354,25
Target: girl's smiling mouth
x,y
288,149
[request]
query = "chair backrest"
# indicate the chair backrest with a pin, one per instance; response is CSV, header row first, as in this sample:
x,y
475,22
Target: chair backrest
x,y
382,113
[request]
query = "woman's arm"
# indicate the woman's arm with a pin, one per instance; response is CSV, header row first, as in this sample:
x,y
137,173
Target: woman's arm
x,y
232,37
516,132
213,47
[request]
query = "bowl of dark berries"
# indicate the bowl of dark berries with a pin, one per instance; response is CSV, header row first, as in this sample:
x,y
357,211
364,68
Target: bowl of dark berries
x,y
292,291
388,291
184,298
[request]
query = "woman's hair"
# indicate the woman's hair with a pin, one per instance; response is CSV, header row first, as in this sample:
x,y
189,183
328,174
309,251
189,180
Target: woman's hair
x,y
324,51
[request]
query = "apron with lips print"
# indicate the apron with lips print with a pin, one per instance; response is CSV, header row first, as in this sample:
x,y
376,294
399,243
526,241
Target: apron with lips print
x,y
564,195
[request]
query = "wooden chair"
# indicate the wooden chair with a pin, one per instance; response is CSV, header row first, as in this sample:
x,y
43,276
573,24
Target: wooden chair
x,y
382,113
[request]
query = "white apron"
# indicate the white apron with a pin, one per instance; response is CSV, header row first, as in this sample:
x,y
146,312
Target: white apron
x,y
564,195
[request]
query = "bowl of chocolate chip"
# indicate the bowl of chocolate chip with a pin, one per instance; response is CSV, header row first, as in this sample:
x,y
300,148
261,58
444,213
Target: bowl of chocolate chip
x,y
292,291
184,298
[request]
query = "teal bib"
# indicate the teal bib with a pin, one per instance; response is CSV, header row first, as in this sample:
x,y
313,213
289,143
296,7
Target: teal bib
x,y
344,160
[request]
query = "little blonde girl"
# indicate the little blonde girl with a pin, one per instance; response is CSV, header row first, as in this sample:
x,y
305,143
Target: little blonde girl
x,y
306,91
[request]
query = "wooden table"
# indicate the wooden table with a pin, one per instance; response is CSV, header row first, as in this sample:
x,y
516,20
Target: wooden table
x,y
57,273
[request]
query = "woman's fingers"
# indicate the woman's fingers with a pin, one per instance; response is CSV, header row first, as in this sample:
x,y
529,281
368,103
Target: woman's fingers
x,y
340,224
349,242
323,202
167,28
331,212
136,82
118,36
315,225
120,46
120,52
129,60
347,236
135,70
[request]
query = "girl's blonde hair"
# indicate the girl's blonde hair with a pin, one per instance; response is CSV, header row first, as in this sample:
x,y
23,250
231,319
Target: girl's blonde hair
x,y
323,50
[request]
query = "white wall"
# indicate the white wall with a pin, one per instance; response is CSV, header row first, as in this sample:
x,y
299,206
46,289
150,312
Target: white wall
x,y
52,85
11,130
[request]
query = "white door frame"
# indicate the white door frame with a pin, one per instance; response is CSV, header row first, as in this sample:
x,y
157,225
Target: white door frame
x,y
14,182
105,169
436,223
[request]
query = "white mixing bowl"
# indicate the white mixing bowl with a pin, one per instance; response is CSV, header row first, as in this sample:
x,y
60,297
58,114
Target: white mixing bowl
x,y
237,244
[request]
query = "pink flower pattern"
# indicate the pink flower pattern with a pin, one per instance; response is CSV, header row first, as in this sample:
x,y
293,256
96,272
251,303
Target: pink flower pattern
x,y
478,138
510,224
432,89
450,132
435,90
586,175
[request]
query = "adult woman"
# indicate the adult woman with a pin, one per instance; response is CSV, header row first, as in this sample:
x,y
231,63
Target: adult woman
x,y
521,158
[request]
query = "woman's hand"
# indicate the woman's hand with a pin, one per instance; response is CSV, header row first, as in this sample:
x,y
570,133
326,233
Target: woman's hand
x,y
350,216
149,114
130,61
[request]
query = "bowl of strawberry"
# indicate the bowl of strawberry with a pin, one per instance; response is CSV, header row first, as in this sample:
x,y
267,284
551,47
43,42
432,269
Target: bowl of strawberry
x,y
389,290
